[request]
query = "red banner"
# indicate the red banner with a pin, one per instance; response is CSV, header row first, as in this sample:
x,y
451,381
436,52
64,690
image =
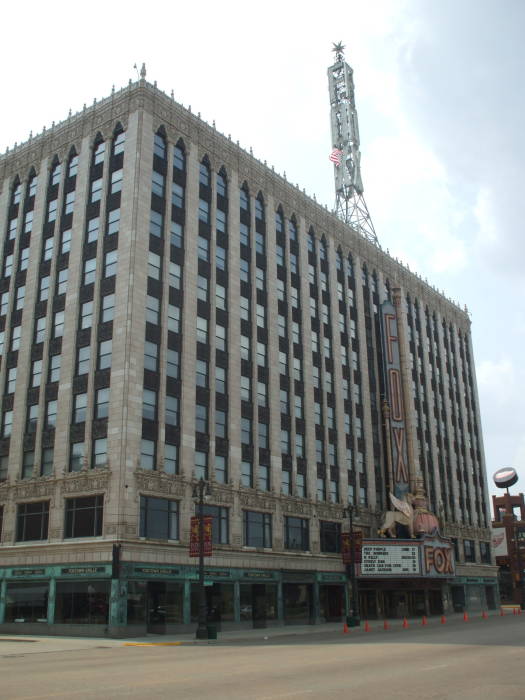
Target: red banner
x,y
349,542
195,536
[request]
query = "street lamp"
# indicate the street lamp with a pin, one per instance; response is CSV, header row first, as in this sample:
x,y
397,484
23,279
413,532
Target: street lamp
x,y
354,606
200,493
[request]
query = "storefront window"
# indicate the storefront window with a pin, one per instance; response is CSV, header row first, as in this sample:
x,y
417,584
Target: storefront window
x,y
136,602
219,602
79,602
258,601
26,602
297,602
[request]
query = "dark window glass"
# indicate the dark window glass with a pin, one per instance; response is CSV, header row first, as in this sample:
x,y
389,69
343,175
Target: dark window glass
x,y
84,516
220,523
468,546
296,533
257,528
26,602
159,518
32,521
82,602
330,535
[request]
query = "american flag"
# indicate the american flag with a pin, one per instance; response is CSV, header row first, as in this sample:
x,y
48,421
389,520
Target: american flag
x,y
335,156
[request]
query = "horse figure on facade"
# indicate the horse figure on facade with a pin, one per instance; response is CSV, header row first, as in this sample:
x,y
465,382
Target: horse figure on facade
x,y
410,511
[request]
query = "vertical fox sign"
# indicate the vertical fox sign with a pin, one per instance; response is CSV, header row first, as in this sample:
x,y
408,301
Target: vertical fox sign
x,y
394,392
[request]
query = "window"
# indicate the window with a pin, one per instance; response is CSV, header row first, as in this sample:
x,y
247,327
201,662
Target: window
x,y
24,259
204,174
152,309
65,241
107,308
7,423
296,535
89,272
159,518
16,332
96,190
246,431
202,288
36,373
119,143
221,469
69,202
247,474
92,229
11,380
99,150
113,223
54,368
149,404
204,211
100,452
257,528
102,403
220,380
468,548
104,354
32,521
201,373
220,337
116,181
8,265
220,257
4,303
203,248
171,461
4,465
79,408
220,297
201,418
151,354
178,158
262,434
110,263
220,523
330,536
300,485
159,146
202,330
484,550
73,166
11,229
220,423
147,454
46,465
201,465
84,516
174,275
172,364
76,456
51,413
177,195
172,410
62,279
264,477
28,465
52,209
32,418
156,224
220,221
47,252
86,314
246,388
28,221
176,234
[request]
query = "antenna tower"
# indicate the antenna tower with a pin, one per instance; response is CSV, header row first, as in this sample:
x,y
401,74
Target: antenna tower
x,y
350,205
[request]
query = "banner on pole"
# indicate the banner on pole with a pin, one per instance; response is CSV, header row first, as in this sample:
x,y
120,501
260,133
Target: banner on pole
x,y
195,539
351,542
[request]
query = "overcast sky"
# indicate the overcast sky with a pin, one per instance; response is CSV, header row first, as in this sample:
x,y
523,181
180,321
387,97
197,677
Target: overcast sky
x,y
439,90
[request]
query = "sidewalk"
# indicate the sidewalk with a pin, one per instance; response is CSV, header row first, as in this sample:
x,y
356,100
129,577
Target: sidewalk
x,y
14,645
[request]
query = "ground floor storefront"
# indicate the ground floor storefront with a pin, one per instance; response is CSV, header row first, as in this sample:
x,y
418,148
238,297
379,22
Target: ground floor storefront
x,y
164,600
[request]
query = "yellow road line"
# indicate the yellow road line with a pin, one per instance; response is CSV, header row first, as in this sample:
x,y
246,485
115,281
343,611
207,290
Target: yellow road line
x,y
152,644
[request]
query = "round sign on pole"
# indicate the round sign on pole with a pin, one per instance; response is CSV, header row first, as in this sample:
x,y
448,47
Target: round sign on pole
x,y
505,478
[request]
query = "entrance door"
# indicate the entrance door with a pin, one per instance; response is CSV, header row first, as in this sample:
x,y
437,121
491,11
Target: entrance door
x,y
156,607
259,605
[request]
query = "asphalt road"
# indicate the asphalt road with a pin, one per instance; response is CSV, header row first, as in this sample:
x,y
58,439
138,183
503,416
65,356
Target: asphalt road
x,y
461,661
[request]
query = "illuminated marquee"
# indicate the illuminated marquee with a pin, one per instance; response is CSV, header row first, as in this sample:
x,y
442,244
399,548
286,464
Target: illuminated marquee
x,y
394,387
429,557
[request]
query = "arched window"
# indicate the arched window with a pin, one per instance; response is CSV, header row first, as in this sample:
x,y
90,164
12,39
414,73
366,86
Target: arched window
x,y
17,191
245,197
292,228
159,144
179,156
279,221
56,172
259,207
31,184
119,139
311,241
204,172
339,259
72,166
222,183
322,249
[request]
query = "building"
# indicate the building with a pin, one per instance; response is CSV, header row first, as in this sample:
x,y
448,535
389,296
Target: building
x,y
508,539
173,309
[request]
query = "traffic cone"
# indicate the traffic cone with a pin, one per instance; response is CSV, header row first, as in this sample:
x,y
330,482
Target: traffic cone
x,y
367,626
386,625
346,630
405,623
465,616
519,611
484,615
424,621
514,612
443,619
501,612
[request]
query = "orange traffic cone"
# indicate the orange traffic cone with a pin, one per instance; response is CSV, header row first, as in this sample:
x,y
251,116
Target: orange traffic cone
x,y
519,611
367,626
484,615
514,611
465,616
386,625
424,621
405,623
443,619
346,630
501,612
